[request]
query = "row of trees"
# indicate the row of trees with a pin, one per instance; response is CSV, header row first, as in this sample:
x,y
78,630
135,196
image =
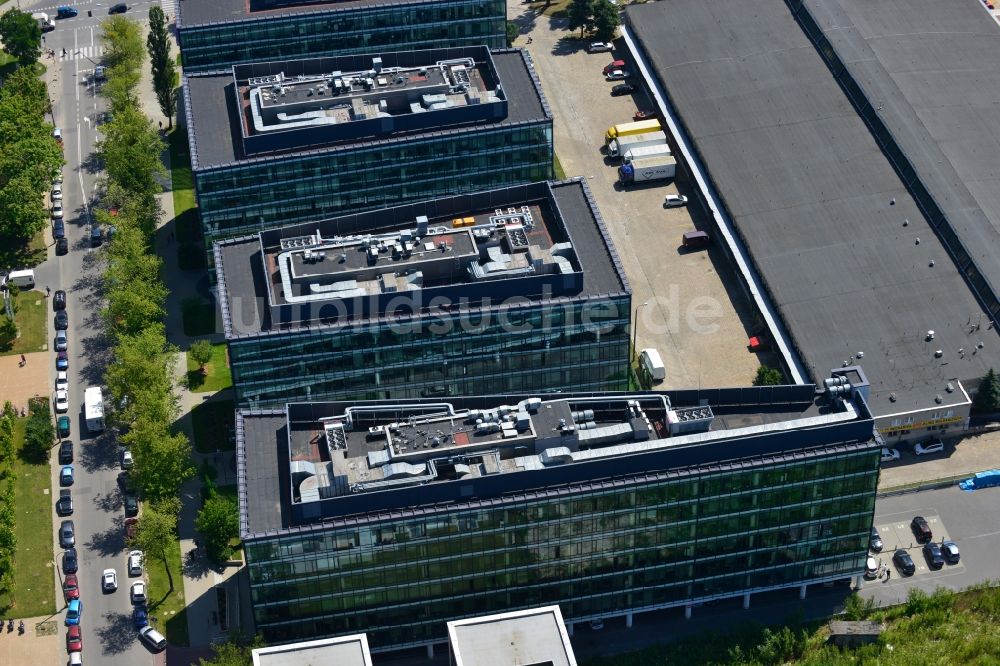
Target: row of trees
x,y
22,36
140,376
8,477
599,17
29,155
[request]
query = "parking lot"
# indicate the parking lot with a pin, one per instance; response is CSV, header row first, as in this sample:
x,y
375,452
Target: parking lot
x,y
690,306
896,534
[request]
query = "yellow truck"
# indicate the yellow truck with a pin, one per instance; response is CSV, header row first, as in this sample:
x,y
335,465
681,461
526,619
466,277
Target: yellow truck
x,y
625,129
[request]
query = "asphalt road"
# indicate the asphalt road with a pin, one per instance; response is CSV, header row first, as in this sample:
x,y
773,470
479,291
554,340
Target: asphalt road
x,y
108,636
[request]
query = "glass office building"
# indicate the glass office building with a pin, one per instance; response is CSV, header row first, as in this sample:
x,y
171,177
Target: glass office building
x,y
216,34
548,312
250,175
643,520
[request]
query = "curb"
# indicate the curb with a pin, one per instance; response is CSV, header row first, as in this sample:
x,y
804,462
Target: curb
x,y
923,485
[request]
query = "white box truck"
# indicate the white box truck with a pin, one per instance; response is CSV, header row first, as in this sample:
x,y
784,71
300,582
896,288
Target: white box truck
x,y
650,360
623,144
647,169
646,151
44,21
93,408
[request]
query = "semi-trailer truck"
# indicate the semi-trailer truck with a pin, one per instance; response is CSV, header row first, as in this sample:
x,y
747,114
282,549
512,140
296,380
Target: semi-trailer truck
x,y
646,169
645,151
623,144
93,408
624,129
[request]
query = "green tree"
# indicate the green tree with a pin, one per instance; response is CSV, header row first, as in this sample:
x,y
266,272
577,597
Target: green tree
x,y
139,377
605,20
21,36
201,353
512,32
219,522
234,652
130,151
163,68
122,38
162,458
34,158
988,396
580,13
8,332
39,433
155,535
768,376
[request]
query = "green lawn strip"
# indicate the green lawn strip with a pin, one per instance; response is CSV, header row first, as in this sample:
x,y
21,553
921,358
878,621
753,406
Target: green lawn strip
x,y
166,609
556,9
217,376
33,592
213,424
198,316
182,182
557,168
32,310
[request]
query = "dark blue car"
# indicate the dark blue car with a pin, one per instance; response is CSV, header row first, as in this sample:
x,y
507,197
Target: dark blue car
x,y
139,618
66,12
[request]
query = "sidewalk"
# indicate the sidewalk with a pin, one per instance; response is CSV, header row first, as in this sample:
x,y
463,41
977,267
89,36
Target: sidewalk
x,y
41,643
966,456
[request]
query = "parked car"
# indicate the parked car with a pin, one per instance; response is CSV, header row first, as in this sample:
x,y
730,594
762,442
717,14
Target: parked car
x,y
66,475
56,192
74,612
622,89
888,455
137,593
100,73
57,135
600,47
154,638
66,12
62,360
674,201
65,452
109,580
643,115
921,529
64,505
904,562
949,549
875,541
70,562
74,639
928,447
135,563
61,341
119,8
139,617
610,67
96,235
58,228
130,525
693,240
62,247
131,506
871,568
617,75
62,382
71,588
59,300
126,459
933,555
62,401
62,426
61,320
57,210
67,534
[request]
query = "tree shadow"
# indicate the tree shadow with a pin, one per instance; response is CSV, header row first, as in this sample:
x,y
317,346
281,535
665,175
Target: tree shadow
x,y
17,253
100,455
110,542
116,635
92,164
108,502
195,566
526,21
568,45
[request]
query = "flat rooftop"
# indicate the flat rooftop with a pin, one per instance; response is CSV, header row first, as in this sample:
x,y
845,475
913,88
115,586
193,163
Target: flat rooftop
x,y
343,651
933,71
191,13
534,636
853,266
268,110
531,242
333,459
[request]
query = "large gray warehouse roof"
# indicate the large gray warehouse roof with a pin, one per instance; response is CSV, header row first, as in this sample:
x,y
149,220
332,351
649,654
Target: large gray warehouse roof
x,y
932,69
812,197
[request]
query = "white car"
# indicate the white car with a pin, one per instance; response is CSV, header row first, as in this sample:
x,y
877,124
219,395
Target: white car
x,y
871,568
135,563
617,75
57,191
126,460
674,201
58,179
57,210
932,446
600,47
138,592
57,134
109,580
62,381
62,402
888,455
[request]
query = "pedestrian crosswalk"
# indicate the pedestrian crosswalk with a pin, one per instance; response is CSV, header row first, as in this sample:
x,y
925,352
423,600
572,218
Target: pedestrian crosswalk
x,y
93,53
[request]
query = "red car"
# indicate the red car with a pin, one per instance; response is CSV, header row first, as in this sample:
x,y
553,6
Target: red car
x,y
131,525
643,115
617,64
71,589
74,639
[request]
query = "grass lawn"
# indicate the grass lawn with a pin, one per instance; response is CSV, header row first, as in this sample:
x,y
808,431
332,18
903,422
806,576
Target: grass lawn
x,y
213,424
167,608
33,593
198,316
185,213
555,9
32,310
216,376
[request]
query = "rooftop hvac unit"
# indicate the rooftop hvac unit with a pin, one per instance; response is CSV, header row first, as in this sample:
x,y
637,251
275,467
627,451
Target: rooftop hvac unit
x,y
690,419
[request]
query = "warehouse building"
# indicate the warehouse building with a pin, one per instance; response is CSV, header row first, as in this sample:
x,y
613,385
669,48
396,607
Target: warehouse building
x,y
519,289
394,517
841,232
293,141
217,34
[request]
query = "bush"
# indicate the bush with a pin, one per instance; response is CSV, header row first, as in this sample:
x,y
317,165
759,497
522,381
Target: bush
x,y
39,433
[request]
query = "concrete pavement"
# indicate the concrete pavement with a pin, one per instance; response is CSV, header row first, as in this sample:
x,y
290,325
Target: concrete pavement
x,y
18,383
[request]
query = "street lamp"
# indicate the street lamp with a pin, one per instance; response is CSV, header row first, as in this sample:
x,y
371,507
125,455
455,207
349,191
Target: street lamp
x,y
635,325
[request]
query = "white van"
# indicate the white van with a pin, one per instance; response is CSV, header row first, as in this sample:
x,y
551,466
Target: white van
x,y
651,363
22,279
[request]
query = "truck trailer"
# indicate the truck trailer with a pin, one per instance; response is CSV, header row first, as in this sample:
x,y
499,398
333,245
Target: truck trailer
x,y
647,169
93,408
624,129
645,151
623,144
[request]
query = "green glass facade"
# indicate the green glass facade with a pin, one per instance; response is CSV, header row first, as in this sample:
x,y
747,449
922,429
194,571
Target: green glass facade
x,y
364,29
649,543
309,187
581,346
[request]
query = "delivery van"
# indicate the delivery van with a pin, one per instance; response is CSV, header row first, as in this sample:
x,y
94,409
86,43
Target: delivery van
x,y
22,279
651,363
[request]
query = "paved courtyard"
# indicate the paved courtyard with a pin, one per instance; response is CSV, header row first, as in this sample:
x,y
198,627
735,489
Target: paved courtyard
x,y
20,383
